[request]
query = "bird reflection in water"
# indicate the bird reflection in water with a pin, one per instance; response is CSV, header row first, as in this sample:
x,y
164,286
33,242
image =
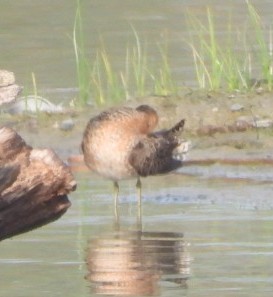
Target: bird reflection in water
x,y
135,263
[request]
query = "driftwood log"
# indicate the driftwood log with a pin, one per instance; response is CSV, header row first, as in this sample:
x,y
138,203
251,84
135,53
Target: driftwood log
x,y
34,184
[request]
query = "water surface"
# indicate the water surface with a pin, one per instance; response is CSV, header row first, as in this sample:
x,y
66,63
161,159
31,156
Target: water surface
x,y
198,238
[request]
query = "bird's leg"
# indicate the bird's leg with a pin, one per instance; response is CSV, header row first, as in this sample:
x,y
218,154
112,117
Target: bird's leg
x,y
139,216
116,192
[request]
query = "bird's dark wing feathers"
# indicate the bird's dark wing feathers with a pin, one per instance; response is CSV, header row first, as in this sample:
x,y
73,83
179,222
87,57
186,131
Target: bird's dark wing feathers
x,y
175,130
153,155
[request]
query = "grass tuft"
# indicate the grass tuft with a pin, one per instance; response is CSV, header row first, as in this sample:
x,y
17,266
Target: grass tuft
x,y
264,47
217,63
101,82
82,63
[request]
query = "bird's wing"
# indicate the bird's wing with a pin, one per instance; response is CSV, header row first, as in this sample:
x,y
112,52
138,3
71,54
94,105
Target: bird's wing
x,y
153,155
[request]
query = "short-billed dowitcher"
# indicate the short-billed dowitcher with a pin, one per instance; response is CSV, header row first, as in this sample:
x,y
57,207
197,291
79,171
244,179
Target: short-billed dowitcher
x,y
120,144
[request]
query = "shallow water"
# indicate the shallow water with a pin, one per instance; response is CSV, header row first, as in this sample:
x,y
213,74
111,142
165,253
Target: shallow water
x,y
199,237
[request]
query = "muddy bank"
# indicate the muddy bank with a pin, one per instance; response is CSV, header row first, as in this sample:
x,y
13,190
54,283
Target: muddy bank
x,y
218,124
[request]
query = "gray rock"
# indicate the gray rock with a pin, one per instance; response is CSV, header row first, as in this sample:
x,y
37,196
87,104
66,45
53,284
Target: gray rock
x,y
236,107
67,125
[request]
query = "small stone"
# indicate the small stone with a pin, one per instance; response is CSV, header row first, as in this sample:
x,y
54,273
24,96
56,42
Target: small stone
x,y
259,90
211,130
236,107
67,125
263,123
231,96
240,126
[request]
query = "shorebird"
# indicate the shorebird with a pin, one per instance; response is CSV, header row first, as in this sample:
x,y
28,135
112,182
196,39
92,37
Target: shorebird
x,y
121,144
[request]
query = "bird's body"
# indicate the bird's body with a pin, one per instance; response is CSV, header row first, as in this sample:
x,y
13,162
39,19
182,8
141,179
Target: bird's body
x,y
120,144
108,140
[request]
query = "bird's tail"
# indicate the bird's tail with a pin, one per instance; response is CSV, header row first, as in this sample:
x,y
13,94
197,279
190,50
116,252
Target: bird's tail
x,y
183,146
177,128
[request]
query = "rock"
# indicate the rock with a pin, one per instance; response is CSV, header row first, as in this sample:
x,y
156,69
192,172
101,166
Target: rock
x,y
262,123
8,89
239,126
236,107
245,122
67,125
34,104
211,130
7,78
259,90
8,94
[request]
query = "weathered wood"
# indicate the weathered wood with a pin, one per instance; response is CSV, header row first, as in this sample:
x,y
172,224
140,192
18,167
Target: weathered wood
x,y
34,184
8,176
